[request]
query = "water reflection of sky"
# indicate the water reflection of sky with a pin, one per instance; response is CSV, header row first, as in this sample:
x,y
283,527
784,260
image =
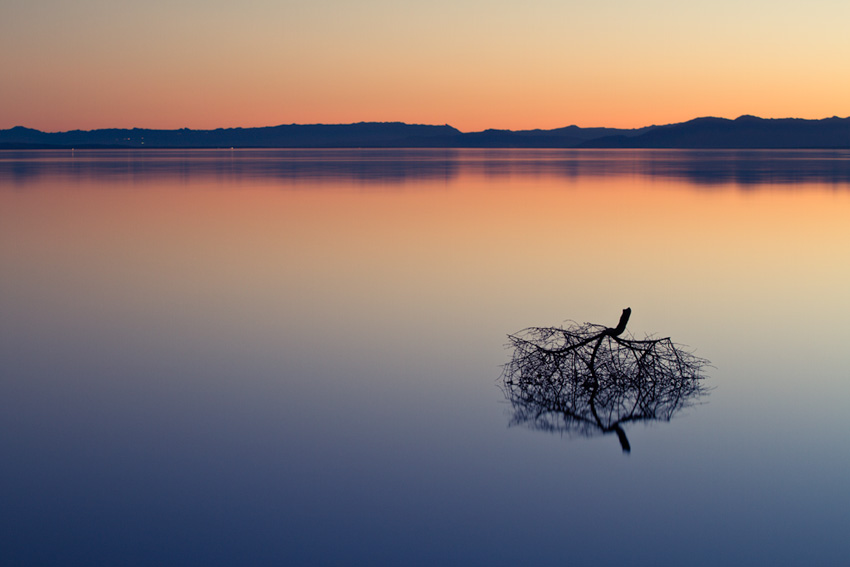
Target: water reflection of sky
x,y
204,368
378,166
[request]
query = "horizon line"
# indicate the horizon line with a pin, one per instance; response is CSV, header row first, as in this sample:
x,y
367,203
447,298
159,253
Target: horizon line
x,y
384,122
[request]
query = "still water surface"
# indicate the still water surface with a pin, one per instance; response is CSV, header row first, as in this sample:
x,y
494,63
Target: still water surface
x,y
293,357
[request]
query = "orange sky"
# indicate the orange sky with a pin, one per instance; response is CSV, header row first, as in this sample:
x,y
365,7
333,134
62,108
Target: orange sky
x,y
473,64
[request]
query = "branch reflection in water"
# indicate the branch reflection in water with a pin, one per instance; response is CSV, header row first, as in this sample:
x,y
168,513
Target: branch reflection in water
x,y
588,379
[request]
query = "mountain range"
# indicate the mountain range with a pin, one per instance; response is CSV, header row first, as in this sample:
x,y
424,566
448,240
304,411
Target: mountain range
x,y
748,132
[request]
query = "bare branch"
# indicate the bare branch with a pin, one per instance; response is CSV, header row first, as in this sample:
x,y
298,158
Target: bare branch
x,y
589,379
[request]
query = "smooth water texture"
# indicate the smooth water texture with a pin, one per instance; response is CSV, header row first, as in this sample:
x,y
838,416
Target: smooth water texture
x,y
293,357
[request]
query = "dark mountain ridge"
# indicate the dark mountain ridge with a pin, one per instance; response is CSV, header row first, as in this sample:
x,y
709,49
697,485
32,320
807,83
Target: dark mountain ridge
x,y
745,132
363,134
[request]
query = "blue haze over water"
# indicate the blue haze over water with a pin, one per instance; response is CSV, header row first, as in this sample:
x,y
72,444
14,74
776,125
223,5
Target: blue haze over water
x,y
293,356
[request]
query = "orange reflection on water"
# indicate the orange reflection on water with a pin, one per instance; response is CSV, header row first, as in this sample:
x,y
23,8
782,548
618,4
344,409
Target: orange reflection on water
x,y
506,244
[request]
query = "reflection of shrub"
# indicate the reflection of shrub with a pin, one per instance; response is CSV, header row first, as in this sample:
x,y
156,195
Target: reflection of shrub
x,y
588,379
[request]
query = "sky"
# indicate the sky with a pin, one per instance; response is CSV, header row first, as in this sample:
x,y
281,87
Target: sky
x,y
473,64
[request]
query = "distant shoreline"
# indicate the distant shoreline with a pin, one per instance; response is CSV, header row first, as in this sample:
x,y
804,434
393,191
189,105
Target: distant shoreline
x,y
745,132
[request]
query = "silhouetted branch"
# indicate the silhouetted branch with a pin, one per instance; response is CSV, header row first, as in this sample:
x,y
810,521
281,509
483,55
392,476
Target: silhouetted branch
x,y
589,379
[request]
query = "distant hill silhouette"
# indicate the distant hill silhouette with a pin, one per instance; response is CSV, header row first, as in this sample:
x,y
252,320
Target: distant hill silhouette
x,y
363,134
745,132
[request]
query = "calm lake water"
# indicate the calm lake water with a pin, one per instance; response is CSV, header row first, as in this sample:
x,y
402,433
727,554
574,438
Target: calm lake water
x,y
294,357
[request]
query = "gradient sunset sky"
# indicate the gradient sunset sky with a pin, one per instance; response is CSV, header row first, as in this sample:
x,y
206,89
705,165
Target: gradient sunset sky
x,y
474,64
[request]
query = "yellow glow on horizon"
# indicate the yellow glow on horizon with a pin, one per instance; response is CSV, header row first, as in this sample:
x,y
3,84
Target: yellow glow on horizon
x,y
473,65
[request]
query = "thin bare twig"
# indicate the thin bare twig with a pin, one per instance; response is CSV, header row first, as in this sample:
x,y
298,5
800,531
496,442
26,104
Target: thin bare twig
x,y
589,379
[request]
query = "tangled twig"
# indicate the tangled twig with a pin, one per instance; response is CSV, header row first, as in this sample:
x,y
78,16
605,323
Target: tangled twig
x,y
588,379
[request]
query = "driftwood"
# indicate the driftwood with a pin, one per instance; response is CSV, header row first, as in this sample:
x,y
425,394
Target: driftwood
x,y
589,379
